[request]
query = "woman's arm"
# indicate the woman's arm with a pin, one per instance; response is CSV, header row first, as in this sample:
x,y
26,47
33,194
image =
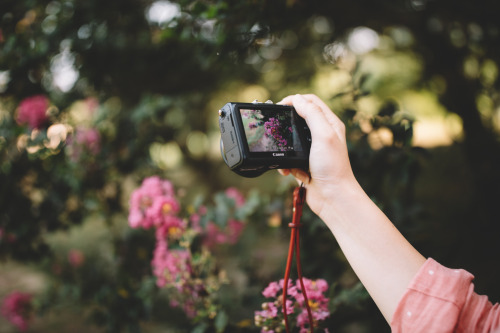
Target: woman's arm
x,y
382,258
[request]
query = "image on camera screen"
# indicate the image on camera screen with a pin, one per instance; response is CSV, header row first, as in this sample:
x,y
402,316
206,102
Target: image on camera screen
x,y
270,131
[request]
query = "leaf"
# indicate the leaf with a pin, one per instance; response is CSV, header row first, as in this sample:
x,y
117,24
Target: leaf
x,y
201,328
221,321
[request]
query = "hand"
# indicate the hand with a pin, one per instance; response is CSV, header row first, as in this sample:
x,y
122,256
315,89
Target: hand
x,y
329,166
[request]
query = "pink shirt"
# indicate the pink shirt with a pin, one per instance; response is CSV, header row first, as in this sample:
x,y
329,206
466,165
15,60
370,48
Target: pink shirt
x,y
440,299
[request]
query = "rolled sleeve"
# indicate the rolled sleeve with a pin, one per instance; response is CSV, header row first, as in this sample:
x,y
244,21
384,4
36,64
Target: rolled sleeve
x,y
441,299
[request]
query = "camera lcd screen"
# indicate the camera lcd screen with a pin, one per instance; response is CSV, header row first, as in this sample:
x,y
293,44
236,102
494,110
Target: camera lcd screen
x,y
271,131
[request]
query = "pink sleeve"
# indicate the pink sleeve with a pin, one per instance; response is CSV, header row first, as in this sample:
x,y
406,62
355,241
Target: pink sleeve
x,y
440,299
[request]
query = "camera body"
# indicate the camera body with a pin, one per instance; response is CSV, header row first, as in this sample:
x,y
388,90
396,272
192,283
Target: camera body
x,y
257,137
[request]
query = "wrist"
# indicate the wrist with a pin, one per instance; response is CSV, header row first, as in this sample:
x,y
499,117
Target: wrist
x,y
347,199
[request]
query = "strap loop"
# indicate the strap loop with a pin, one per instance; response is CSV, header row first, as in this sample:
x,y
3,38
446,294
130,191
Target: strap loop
x,y
299,195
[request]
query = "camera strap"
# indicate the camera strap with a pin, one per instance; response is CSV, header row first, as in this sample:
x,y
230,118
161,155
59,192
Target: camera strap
x,y
299,196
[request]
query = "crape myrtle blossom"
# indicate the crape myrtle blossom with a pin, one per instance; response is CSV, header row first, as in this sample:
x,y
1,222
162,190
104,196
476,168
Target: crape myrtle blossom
x,y
32,111
84,141
233,193
171,267
317,302
213,234
76,258
153,191
271,318
17,309
228,235
190,278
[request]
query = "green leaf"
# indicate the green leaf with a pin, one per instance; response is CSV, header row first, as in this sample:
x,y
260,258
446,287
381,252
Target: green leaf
x,y
221,321
201,328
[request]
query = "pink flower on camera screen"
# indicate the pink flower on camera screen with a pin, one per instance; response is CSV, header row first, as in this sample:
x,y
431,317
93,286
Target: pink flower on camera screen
x,y
16,308
32,111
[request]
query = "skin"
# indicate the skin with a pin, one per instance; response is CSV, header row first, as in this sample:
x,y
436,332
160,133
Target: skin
x,y
381,257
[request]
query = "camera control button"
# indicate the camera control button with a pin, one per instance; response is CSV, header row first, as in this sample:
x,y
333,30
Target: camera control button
x,y
233,156
273,166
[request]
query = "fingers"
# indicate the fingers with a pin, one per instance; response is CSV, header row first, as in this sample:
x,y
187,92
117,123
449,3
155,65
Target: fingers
x,y
300,175
284,172
317,114
322,128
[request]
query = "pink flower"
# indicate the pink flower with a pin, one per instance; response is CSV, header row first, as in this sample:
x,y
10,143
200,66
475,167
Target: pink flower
x,y
135,218
292,290
214,235
76,258
171,267
142,199
171,226
92,104
271,290
295,300
85,140
235,229
16,308
88,138
270,310
314,290
317,301
32,111
162,209
157,186
230,234
236,195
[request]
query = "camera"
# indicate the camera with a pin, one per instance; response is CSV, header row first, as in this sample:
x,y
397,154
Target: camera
x,y
257,137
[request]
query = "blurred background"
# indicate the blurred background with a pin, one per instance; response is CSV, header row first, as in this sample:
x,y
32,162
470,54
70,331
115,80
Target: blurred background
x,y
97,96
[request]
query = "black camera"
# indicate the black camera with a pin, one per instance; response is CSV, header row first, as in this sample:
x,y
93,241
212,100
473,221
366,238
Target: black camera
x,y
256,137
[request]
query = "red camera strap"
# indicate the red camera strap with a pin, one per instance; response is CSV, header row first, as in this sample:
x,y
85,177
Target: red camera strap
x,y
299,195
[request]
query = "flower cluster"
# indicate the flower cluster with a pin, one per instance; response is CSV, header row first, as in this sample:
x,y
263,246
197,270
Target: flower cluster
x,y
46,136
84,141
213,233
76,258
154,204
273,130
17,309
191,278
271,318
32,111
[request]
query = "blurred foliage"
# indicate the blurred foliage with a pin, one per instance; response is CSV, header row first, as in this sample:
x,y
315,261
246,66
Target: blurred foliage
x,y
133,88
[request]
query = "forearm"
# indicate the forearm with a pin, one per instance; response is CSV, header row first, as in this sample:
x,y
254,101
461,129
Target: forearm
x,y
381,257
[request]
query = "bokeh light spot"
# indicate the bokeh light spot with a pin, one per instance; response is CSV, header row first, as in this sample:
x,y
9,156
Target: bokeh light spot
x,y
197,144
165,155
